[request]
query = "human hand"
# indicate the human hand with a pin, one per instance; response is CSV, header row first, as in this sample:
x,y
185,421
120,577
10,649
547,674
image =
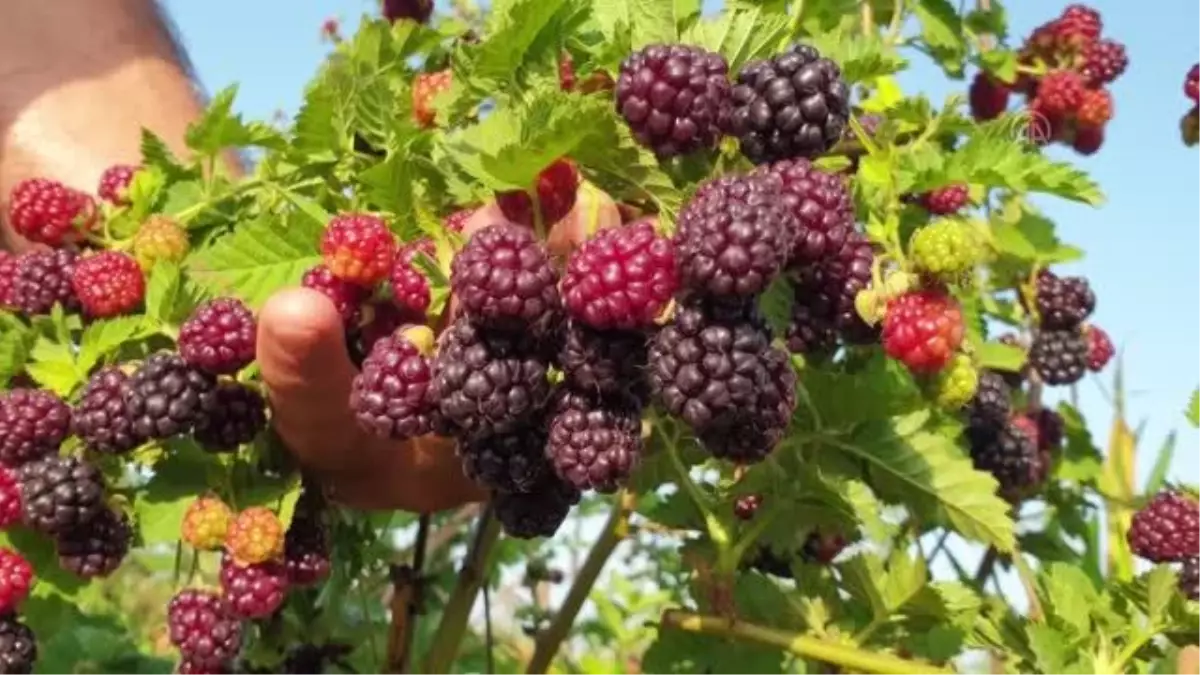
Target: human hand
x,y
304,362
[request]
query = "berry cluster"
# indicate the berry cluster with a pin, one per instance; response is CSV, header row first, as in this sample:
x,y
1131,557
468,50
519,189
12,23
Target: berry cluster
x,y
260,564
679,98
1064,346
1065,67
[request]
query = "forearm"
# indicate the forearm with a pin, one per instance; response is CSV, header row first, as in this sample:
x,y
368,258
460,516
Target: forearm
x,y
77,87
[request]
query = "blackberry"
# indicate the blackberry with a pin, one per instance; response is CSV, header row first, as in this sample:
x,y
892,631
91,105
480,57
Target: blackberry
x,y
358,248
1008,453
1166,528
538,513
101,418
390,396
1078,26
822,548
8,276
237,415
1063,302
114,184
810,331
189,667
1100,348
33,424
821,204
792,105
955,386
255,536
108,283
622,278
253,591
604,362
513,462
675,98
60,493
487,382
992,402
751,434
347,298
1189,578
557,188
1059,356
16,576
503,279
946,200
306,545
734,237
18,646
96,548
42,280
10,498
707,368
410,288
202,627
922,329
988,97
1050,429
746,506
1103,62
594,443
166,397
219,337
831,286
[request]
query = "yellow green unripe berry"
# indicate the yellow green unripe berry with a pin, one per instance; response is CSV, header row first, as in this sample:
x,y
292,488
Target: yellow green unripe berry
x,y
955,384
159,238
947,249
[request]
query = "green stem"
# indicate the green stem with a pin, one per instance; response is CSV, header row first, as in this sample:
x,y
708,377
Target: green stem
x,y
793,30
365,608
893,32
849,658
196,209
986,565
549,640
1132,648
716,531
450,630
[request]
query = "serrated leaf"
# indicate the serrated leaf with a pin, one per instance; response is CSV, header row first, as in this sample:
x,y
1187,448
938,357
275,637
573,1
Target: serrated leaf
x,y
1193,408
677,651
1069,596
1051,649
52,365
941,29
740,35
156,153
876,389
645,21
219,128
258,258
861,58
627,171
994,155
943,602
101,338
1162,584
515,27
864,577
16,340
927,471
185,198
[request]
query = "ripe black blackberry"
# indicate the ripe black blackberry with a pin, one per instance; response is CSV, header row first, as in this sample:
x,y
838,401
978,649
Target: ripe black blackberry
x,y
18,646
792,105
205,631
1189,578
33,424
809,331
1063,302
734,237
674,97
594,443
821,204
487,382
59,494
1009,454
709,367
238,412
96,548
751,434
1166,529
1050,428
219,337
538,513
832,284
992,402
167,397
514,461
306,545
503,279
101,418
390,397
43,279
1059,356
605,362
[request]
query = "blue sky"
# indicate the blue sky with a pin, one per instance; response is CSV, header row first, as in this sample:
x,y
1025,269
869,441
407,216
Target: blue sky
x,y
1142,245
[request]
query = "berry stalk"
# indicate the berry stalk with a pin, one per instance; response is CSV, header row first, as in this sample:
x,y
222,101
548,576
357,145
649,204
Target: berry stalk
x,y
448,637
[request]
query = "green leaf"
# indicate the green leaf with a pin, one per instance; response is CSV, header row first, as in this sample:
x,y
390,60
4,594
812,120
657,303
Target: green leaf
x,y
1162,464
16,340
221,128
101,338
1162,585
741,36
258,258
643,21
1001,63
625,170
178,480
999,356
856,392
992,21
1069,596
1051,648
862,58
156,153
942,602
677,651
516,25
941,29
38,550
864,579
927,471
994,155
52,365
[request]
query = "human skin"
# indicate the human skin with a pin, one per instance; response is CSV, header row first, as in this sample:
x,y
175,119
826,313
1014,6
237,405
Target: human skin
x,y
76,88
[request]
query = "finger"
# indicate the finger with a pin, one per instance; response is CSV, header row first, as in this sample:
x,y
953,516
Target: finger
x,y
421,475
303,358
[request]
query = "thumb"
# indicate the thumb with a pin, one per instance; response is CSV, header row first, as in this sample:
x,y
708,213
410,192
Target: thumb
x,y
304,363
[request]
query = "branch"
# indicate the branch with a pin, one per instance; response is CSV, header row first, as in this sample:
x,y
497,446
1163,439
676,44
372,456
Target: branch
x,y
549,640
408,585
448,637
849,658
